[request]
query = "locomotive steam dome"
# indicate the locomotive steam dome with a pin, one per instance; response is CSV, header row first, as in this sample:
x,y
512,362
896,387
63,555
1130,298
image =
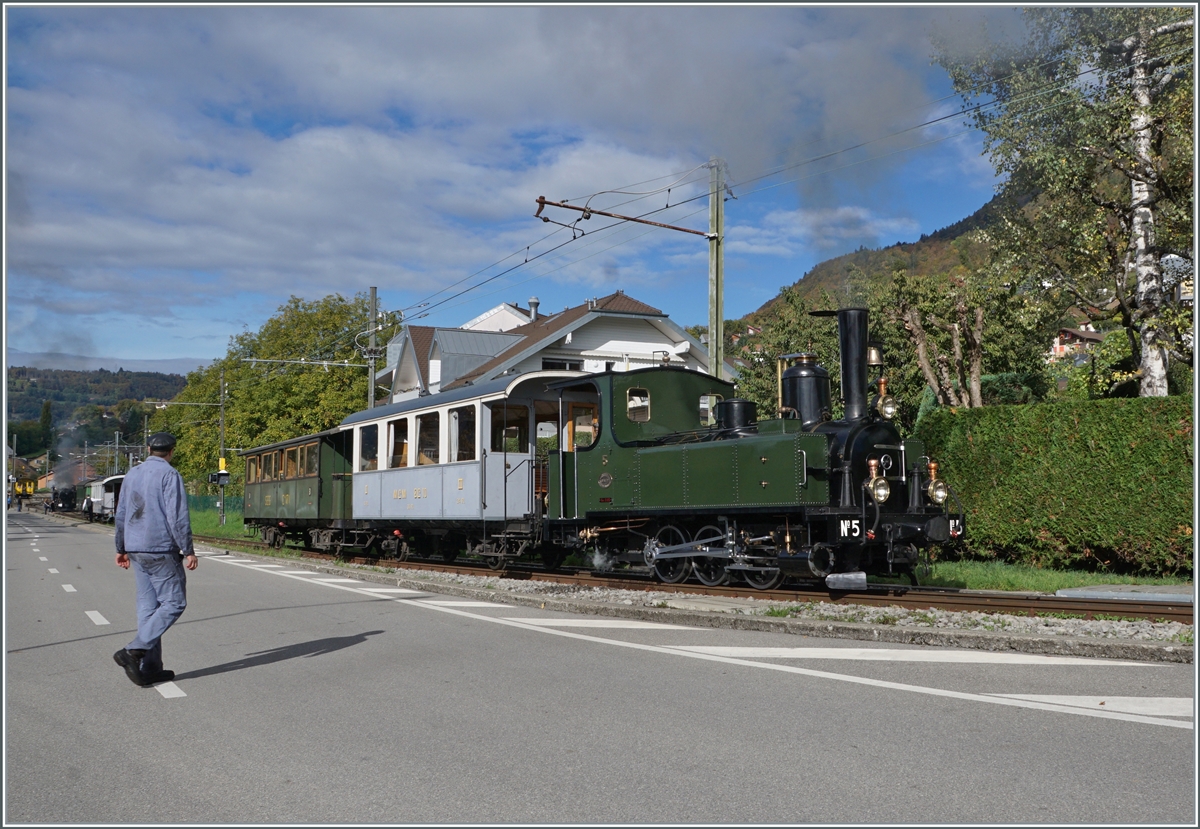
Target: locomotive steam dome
x,y
806,389
737,413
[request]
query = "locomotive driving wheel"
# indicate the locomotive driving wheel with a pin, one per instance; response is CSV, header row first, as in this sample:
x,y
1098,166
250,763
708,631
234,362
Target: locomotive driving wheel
x,y
710,570
763,579
672,570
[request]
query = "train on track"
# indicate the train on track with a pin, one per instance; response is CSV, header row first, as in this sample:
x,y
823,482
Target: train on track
x,y
661,468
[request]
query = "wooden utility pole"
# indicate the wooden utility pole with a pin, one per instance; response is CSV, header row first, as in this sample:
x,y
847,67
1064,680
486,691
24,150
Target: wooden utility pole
x,y
716,266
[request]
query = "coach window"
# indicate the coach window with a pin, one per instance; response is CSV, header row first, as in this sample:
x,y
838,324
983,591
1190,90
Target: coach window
x,y
510,428
638,405
368,448
312,458
268,466
429,435
399,441
291,462
462,434
252,469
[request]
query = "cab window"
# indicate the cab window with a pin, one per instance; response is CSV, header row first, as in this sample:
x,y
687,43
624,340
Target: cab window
x,y
582,425
637,405
708,408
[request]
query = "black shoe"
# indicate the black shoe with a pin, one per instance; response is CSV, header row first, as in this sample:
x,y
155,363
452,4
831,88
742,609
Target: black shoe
x,y
130,660
161,676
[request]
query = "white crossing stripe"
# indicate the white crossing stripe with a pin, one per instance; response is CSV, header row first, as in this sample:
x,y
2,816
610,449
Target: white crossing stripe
x,y
389,590
52,570
338,581
463,603
1150,706
896,655
596,623
36,550
95,616
42,558
170,690
69,588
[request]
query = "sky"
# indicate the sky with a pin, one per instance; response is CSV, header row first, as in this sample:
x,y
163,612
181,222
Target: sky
x,y
174,174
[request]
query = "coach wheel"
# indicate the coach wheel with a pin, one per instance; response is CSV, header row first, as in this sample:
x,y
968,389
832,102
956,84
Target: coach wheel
x,y
449,547
763,579
672,570
553,557
494,562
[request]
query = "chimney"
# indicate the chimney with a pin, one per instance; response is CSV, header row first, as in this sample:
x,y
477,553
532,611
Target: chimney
x,y
534,302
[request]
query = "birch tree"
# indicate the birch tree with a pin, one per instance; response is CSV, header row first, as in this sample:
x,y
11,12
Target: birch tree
x,y
1089,121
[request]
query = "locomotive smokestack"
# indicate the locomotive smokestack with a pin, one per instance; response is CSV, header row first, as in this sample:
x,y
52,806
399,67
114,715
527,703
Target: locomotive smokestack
x,y
852,337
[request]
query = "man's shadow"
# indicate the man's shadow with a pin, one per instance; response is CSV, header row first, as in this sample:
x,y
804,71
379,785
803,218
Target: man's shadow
x,y
306,649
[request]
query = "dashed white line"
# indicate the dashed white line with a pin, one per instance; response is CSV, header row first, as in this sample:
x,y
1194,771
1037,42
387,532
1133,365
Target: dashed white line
x,y
69,588
170,690
463,603
42,558
52,570
391,590
337,581
95,616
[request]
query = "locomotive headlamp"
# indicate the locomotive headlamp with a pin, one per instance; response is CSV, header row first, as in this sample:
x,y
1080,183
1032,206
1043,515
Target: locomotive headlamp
x,y
885,404
876,484
937,490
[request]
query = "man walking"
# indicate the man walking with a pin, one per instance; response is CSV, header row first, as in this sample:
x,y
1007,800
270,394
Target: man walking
x,y
154,537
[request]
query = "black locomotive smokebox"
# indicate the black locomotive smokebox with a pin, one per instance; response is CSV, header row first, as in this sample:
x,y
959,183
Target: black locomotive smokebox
x,y
736,413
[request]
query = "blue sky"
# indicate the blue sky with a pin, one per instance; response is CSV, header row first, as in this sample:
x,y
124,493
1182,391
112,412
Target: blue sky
x,y
175,174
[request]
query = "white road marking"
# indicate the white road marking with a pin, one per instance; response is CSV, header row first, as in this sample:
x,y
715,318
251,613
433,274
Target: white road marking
x,y
1150,706
337,581
895,655
36,550
69,588
238,560
1013,702
52,570
463,603
390,590
42,558
264,566
170,690
295,572
629,624
95,616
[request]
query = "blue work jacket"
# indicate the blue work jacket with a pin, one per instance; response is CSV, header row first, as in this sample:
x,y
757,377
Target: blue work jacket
x,y
152,513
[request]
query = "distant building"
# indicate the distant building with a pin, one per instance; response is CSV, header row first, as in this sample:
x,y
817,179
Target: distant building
x,y
1069,341
616,332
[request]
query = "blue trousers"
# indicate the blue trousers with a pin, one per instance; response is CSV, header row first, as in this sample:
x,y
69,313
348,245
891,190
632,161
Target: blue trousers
x,y
161,599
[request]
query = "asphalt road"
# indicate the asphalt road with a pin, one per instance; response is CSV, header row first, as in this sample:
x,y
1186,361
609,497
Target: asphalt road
x,y
303,698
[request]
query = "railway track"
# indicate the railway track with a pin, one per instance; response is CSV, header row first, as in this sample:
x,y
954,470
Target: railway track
x,y
877,595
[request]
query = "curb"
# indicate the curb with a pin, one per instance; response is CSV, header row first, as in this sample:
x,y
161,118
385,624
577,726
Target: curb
x,y
1095,648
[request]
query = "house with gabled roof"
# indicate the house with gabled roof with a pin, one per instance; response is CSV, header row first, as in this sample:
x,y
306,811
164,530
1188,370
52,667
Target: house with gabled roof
x,y
616,332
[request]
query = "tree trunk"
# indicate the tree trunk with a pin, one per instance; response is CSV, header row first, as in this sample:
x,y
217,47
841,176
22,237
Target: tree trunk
x,y
1145,262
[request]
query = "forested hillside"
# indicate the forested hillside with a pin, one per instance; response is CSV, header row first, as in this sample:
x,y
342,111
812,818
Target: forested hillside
x,y
28,388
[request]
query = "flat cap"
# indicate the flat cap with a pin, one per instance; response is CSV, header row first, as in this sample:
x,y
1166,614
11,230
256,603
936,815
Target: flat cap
x,y
161,440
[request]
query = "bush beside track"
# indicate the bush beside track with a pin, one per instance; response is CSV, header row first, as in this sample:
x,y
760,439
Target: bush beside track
x,y
1102,484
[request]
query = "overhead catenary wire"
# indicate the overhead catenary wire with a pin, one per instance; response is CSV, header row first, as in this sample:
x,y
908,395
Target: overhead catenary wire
x,y
681,177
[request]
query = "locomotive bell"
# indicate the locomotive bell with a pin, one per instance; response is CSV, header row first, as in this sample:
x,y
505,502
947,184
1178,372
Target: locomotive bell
x,y
806,390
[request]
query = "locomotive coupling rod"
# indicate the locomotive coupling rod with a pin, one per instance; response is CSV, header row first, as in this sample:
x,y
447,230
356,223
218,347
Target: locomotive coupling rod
x,y
690,548
589,211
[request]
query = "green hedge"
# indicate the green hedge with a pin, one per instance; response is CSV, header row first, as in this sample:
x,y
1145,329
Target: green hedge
x,y
1103,484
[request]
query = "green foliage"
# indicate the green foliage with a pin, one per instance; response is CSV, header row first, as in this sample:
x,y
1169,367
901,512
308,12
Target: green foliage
x,y
31,440
29,389
269,402
1086,118
1100,484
